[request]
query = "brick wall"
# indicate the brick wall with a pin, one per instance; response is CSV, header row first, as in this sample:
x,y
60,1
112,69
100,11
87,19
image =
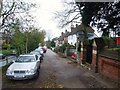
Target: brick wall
x,y
109,67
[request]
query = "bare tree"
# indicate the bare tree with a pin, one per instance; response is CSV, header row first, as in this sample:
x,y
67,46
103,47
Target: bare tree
x,y
13,10
69,14
102,15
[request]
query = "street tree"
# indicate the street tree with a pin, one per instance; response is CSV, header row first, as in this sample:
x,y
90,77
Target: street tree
x,y
18,41
103,15
34,38
12,10
52,43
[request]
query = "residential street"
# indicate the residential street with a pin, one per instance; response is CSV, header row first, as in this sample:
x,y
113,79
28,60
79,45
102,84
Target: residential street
x,y
58,72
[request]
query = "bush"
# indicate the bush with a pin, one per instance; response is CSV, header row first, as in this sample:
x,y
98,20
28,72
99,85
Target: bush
x,y
63,48
6,52
6,46
106,40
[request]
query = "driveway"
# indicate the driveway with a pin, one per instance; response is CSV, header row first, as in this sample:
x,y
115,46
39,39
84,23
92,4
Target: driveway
x,y
59,72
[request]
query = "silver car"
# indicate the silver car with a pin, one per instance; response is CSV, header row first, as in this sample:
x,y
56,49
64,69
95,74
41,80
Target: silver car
x,y
25,67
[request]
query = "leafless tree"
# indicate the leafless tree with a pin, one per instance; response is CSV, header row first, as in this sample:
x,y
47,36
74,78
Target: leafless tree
x,y
69,14
13,10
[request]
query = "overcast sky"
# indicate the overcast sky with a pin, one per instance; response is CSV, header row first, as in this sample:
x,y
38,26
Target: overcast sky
x,y
44,16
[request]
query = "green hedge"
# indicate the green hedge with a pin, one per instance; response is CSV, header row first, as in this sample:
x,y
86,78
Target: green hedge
x,y
6,52
114,49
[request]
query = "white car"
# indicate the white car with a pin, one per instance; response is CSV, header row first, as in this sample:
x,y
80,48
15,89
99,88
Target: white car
x,y
25,67
40,50
38,54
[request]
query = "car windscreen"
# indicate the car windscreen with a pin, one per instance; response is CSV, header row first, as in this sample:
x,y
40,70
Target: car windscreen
x,y
25,59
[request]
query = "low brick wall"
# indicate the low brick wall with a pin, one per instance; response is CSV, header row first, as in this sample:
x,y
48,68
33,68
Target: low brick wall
x,y
109,67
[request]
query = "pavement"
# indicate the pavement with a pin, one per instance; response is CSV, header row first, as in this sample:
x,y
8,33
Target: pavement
x,y
71,75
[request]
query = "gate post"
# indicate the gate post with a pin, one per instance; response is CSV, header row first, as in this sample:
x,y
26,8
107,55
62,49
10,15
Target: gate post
x,y
83,51
94,57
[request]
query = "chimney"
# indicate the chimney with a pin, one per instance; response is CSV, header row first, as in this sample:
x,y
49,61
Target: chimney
x,y
62,33
72,27
66,31
76,25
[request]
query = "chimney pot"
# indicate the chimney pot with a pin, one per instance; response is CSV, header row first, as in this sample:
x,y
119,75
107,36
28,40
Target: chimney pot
x,y
76,25
62,33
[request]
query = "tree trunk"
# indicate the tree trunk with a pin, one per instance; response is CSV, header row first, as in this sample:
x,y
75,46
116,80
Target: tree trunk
x,y
26,43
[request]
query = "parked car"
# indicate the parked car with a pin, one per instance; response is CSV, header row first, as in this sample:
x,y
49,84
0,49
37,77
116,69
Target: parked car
x,y
38,54
44,49
25,67
14,52
40,50
2,56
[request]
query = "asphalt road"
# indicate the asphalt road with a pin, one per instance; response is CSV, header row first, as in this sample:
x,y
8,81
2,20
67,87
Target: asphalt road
x,y
59,72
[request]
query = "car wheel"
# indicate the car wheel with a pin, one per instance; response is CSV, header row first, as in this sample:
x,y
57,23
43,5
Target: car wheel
x,y
37,74
41,59
39,67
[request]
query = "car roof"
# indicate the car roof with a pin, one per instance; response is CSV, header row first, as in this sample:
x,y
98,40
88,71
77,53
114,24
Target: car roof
x,y
35,52
27,55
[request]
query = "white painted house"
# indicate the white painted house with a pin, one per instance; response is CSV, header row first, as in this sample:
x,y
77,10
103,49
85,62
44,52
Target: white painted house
x,y
72,39
78,32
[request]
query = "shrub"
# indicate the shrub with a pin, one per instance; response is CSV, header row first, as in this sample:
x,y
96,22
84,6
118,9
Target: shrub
x,y
6,52
6,46
106,40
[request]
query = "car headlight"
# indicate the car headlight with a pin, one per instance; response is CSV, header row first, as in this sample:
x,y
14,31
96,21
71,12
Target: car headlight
x,y
9,71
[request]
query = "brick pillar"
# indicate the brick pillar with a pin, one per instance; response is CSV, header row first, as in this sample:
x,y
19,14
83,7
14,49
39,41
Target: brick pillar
x,y
83,53
94,56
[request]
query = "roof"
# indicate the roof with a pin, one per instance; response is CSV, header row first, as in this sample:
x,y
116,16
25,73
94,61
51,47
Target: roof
x,y
54,39
61,38
73,31
77,29
83,27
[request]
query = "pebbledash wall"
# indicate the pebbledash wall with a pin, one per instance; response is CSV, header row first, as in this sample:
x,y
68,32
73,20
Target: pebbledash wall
x,y
104,65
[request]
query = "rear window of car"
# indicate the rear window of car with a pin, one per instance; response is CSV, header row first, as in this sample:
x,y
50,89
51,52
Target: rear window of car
x,y
26,59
